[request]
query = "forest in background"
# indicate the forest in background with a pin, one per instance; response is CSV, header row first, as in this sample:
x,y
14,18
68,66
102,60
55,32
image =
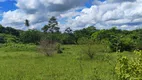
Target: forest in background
x,y
116,39
91,52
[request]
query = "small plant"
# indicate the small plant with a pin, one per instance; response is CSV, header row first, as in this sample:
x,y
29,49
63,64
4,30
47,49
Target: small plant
x,y
87,47
47,47
96,76
89,50
58,48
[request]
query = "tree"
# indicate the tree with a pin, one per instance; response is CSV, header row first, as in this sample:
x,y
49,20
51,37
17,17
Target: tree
x,y
85,32
27,23
48,43
45,28
30,36
68,36
121,43
2,29
90,30
68,30
12,31
9,30
51,27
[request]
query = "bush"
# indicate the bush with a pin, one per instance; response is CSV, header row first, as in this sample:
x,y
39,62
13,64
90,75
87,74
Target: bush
x,y
91,48
30,36
6,38
87,47
9,47
139,45
121,44
89,51
83,41
2,40
68,38
58,48
47,47
130,69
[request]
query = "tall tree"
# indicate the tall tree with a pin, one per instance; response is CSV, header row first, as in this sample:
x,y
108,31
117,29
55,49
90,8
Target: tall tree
x,y
51,26
68,30
27,23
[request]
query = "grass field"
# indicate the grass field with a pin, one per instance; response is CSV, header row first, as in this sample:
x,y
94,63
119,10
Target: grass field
x,y
29,64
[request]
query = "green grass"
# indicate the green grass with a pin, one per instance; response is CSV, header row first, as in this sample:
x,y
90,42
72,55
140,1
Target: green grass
x,y
29,64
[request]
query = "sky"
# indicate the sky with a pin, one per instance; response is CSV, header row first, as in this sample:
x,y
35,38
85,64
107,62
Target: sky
x,y
77,14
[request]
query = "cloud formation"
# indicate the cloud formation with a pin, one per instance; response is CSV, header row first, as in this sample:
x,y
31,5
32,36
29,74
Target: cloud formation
x,y
38,11
115,1
124,14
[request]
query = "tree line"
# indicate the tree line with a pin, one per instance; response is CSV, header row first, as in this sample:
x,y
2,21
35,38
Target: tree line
x,y
116,39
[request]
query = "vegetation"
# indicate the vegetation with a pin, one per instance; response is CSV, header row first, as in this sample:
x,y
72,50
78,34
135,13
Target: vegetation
x,y
47,47
31,36
25,63
87,54
130,69
27,23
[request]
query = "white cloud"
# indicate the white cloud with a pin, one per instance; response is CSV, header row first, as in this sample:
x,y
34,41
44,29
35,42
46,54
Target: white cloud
x,y
39,11
124,14
114,1
48,5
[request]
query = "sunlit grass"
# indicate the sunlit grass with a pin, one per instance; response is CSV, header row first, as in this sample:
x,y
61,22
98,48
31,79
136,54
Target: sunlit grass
x,y
31,65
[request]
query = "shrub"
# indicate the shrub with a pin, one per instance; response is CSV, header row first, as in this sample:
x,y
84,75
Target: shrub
x,y
89,51
2,40
121,43
47,47
83,40
87,47
139,45
91,48
12,47
130,69
30,36
58,48
6,38
68,38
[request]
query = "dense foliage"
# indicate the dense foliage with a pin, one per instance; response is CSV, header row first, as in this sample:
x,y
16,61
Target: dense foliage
x,y
89,43
30,36
130,69
9,30
116,39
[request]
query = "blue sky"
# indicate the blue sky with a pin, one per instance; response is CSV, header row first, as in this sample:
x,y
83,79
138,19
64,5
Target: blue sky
x,y
10,5
77,14
6,6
